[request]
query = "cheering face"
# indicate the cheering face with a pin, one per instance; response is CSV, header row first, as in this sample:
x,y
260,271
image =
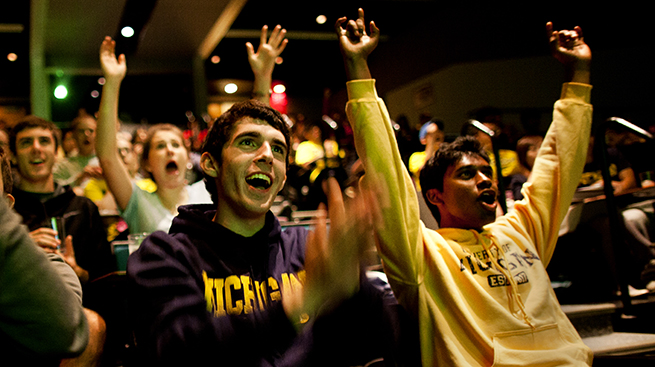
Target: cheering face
x,y
85,136
128,156
469,197
253,168
35,154
167,159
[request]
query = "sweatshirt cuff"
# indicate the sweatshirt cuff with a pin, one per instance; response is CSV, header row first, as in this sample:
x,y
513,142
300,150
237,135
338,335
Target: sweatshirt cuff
x,y
577,91
361,88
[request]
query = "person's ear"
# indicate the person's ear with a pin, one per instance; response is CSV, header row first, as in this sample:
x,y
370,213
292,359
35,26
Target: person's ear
x,y
209,165
10,200
434,196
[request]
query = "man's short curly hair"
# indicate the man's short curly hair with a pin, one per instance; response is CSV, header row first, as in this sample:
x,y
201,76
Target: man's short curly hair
x,y
32,122
222,129
434,170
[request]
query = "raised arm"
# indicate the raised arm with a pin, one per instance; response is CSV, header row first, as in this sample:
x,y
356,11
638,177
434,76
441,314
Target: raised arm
x,y
262,62
558,167
390,191
115,172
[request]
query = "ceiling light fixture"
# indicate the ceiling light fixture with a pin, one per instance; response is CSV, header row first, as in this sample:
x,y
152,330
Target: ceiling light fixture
x,y
230,88
127,32
279,88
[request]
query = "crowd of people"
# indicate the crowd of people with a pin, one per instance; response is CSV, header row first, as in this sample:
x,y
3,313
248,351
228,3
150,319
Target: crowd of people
x,y
461,280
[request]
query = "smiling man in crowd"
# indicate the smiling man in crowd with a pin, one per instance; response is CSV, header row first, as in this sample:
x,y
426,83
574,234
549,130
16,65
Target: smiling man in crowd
x,y
478,286
229,285
39,199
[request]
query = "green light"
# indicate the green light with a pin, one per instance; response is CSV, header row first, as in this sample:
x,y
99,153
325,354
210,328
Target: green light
x,y
61,92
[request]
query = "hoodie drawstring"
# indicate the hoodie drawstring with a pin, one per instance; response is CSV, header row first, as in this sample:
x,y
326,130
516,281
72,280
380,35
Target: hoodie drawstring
x,y
513,286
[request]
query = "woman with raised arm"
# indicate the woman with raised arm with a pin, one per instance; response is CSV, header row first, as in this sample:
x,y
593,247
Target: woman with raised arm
x,y
165,155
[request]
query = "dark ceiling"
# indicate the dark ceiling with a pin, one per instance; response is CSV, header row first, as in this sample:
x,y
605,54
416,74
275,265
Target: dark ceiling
x,y
423,36
420,37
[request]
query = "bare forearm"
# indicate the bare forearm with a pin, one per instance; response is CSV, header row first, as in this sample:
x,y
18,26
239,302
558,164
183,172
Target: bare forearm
x,y
261,90
357,68
116,174
579,73
107,118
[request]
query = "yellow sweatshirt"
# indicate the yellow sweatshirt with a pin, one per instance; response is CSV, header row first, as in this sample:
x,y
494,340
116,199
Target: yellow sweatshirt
x,y
481,299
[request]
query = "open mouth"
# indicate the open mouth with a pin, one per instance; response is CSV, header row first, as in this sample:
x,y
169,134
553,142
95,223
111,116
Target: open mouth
x,y
259,181
171,167
488,197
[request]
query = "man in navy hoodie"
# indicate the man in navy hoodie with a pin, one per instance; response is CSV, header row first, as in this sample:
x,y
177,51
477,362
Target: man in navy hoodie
x,y
229,286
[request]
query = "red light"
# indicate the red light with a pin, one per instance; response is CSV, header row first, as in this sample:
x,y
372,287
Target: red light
x,y
279,102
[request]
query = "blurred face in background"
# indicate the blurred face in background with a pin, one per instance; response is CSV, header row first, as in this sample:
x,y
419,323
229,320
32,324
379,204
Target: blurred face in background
x,y
531,154
126,152
69,144
84,134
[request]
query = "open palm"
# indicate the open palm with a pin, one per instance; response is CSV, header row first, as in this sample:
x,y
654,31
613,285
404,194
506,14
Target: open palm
x,y
112,67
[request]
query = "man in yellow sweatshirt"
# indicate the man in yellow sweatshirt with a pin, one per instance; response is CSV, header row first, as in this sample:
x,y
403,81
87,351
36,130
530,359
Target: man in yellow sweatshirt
x,y
478,286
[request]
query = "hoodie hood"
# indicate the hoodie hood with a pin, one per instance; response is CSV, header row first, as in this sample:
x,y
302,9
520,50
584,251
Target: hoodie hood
x,y
217,244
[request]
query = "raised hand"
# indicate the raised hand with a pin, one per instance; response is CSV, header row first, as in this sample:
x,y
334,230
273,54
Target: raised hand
x,y
356,44
263,61
569,48
112,67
